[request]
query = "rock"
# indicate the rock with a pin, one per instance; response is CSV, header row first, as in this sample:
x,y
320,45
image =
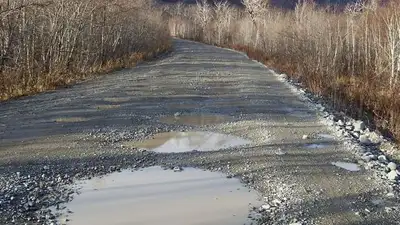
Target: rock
x,y
359,126
392,166
349,128
392,175
177,169
305,136
390,195
266,206
373,157
355,134
375,138
382,158
366,158
276,202
363,139
340,123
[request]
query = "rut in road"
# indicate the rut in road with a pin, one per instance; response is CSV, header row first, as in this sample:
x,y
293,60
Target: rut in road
x,y
295,174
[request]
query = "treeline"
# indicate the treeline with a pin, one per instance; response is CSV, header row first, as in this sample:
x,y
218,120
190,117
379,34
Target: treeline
x,y
47,43
350,57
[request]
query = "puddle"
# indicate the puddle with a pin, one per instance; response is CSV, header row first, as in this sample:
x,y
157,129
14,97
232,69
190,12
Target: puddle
x,y
195,120
154,196
317,145
188,141
347,166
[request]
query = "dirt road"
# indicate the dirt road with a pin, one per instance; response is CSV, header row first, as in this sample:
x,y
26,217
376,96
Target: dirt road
x,y
196,88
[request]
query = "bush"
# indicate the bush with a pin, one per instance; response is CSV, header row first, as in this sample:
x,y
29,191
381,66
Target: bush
x,y
44,44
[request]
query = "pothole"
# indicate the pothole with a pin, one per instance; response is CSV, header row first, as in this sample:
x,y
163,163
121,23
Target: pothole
x,y
195,120
154,196
347,166
188,141
317,145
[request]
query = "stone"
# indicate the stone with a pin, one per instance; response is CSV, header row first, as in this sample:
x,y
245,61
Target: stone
x,y
392,166
340,123
359,126
177,169
392,175
276,202
355,134
382,158
375,138
363,139
366,158
266,206
390,195
349,128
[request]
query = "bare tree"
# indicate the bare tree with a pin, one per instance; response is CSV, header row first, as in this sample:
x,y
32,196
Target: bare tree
x,y
223,17
48,43
203,15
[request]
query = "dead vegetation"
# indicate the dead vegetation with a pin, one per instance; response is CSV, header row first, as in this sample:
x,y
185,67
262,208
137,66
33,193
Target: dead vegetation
x,y
351,57
48,43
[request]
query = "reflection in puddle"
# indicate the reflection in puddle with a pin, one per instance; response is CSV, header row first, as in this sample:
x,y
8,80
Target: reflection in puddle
x,y
188,141
154,196
195,120
347,166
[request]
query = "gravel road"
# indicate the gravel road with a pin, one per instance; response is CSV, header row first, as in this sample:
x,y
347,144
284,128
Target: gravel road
x,y
49,140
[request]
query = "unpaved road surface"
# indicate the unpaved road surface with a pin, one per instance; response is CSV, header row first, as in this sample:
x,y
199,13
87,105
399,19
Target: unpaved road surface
x,y
48,140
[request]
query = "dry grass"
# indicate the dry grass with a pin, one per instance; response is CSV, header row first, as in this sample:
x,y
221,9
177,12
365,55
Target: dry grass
x,y
49,43
351,58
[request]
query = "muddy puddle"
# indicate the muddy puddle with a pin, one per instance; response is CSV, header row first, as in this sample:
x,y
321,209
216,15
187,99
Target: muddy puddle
x,y
347,166
195,120
188,141
153,196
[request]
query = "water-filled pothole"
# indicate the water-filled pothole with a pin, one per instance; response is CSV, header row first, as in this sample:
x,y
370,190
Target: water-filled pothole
x,y
195,120
188,141
154,196
317,145
347,166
